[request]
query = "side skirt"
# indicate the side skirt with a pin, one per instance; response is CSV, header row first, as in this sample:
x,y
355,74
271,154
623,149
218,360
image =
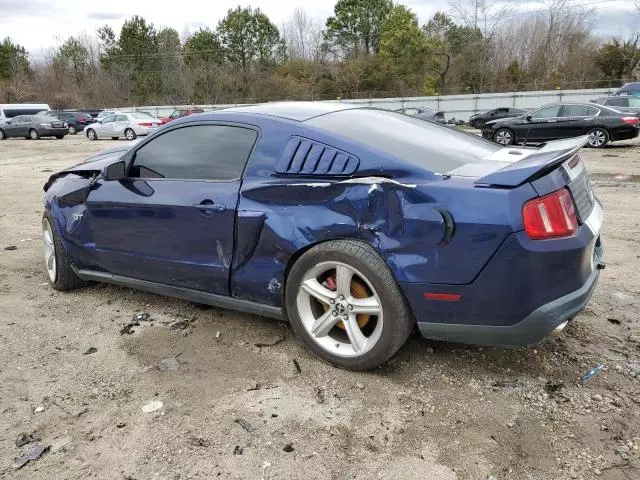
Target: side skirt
x,y
197,296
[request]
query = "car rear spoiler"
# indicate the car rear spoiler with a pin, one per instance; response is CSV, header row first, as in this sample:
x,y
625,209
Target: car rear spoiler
x,y
526,164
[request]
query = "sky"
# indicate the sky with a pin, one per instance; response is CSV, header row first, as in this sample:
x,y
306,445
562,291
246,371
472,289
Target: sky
x,y
41,24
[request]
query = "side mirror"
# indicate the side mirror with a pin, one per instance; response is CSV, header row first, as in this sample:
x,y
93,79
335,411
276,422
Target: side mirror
x,y
528,118
8,122
115,171
99,120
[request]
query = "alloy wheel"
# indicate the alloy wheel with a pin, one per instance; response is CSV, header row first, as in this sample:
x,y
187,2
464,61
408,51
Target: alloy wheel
x,y
597,138
503,137
72,130
130,134
340,309
91,134
49,250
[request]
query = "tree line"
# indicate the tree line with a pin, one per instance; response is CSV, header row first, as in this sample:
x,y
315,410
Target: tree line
x,y
367,48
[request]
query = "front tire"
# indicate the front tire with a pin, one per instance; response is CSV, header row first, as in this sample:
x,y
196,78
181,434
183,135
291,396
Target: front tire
x,y
2,135
129,134
91,134
33,134
598,138
61,275
504,136
345,305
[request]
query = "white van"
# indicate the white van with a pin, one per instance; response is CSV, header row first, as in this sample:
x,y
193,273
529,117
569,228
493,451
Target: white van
x,y
10,110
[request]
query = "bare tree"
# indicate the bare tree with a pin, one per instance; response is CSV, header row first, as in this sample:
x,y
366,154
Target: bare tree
x,y
303,37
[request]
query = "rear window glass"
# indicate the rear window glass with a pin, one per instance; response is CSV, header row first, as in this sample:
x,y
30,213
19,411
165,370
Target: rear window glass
x,y
140,116
426,144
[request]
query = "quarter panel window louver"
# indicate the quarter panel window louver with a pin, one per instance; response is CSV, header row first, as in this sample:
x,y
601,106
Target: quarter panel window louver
x,y
302,156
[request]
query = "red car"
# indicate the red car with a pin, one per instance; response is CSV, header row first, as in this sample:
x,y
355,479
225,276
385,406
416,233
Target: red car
x,y
184,112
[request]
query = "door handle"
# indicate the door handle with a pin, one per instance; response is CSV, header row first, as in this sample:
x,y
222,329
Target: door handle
x,y
208,207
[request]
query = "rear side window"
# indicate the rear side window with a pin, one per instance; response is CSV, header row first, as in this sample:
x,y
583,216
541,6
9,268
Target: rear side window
x,y
200,152
616,102
578,111
426,144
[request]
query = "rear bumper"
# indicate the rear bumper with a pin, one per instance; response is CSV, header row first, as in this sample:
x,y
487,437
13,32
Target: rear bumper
x,y
532,329
625,134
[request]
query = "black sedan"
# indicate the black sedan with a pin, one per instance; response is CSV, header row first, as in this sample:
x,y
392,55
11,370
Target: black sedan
x,y
622,103
423,113
479,119
33,127
557,121
76,120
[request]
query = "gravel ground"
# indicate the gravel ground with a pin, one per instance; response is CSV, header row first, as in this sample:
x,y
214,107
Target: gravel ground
x,y
237,396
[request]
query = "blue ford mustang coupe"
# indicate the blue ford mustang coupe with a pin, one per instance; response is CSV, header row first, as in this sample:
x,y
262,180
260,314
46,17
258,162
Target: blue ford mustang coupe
x,y
356,224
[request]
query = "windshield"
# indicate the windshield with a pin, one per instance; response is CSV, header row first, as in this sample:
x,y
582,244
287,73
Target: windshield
x,y
44,119
426,144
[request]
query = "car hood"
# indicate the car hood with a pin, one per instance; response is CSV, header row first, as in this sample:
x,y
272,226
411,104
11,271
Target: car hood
x,y
504,121
93,165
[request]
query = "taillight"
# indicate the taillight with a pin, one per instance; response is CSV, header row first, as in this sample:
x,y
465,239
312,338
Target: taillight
x,y
146,124
551,216
631,120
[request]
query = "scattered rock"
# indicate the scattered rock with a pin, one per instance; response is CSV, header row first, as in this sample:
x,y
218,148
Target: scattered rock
x,y
244,424
11,247
429,350
553,386
152,406
39,409
297,365
321,395
121,425
34,453
597,471
198,441
359,385
238,450
615,321
169,364
179,325
254,387
288,448
128,328
90,350
60,443
25,438
511,424
597,397
142,317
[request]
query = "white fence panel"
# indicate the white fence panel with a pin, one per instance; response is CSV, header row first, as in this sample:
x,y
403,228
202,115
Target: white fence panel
x,y
460,107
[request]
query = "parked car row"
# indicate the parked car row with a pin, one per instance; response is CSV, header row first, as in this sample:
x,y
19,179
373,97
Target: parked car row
x,y
33,127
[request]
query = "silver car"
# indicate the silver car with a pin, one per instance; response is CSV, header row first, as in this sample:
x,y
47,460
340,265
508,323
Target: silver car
x,y
123,124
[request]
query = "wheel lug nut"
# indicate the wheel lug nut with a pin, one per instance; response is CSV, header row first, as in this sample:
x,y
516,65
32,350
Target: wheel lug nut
x,y
335,314
332,301
341,297
350,307
346,317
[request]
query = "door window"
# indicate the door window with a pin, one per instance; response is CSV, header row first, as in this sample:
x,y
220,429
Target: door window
x,y
109,119
121,118
200,152
551,111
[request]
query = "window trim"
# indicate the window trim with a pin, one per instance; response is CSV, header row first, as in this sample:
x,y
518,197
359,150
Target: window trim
x,y
131,156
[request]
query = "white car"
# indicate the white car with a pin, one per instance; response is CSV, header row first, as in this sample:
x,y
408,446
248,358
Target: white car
x,y
123,124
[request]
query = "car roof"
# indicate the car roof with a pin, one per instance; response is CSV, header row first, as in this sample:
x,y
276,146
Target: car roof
x,y
299,111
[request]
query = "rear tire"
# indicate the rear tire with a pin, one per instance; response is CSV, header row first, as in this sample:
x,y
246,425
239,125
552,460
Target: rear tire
x,y
504,136
129,134
364,339
91,134
59,137
598,138
59,272
72,130
33,134
2,135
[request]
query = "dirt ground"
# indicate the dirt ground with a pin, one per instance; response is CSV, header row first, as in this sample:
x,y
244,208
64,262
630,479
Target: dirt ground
x,y
247,401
